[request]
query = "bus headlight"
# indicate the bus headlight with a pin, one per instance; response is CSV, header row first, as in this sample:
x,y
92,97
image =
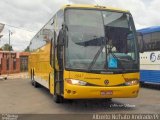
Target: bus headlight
x,y
76,82
133,82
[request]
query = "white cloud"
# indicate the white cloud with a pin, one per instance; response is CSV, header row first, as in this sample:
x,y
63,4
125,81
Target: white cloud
x,y
33,14
82,1
145,12
28,14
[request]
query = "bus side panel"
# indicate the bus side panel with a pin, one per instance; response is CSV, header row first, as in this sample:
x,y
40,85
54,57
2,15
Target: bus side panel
x,y
32,64
150,67
51,82
40,63
151,76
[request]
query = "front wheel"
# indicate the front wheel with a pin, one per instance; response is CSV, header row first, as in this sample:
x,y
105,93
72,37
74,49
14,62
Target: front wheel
x,y
57,98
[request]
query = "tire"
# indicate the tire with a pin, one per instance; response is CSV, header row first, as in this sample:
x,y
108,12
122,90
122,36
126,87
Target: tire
x,y
109,99
142,84
34,83
31,77
58,98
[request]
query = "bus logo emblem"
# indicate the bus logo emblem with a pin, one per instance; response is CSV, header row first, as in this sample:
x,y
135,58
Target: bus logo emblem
x,y
152,57
106,82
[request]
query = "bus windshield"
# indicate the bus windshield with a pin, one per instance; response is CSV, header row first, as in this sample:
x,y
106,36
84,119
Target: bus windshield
x,y
100,40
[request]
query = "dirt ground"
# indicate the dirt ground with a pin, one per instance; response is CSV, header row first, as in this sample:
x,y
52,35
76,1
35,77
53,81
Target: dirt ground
x,y
19,96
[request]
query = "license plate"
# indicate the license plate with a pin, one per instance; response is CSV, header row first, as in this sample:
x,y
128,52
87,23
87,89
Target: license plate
x,y
109,92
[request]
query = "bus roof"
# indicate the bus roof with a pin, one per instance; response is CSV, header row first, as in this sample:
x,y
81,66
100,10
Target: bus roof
x,y
149,30
93,7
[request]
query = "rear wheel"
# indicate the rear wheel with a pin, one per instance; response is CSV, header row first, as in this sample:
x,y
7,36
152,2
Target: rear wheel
x,y
31,77
34,83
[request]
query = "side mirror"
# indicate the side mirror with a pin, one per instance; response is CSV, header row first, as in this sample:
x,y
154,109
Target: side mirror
x,y
65,34
140,42
62,37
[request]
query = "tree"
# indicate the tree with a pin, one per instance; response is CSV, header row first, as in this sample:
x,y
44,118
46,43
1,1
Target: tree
x,y
7,47
27,49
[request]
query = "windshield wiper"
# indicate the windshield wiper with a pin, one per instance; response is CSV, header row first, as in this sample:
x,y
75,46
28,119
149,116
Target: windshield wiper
x,y
96,57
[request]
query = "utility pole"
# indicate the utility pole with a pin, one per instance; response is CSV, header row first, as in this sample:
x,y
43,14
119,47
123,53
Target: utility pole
x,y
9,58
9,38
1,37
1,29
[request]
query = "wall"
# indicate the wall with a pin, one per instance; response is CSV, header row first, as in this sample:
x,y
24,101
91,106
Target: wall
x,y
4,57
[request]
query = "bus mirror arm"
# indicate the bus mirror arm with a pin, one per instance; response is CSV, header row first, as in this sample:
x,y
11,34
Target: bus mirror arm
x,y
65,36
60,40
64,27
61,43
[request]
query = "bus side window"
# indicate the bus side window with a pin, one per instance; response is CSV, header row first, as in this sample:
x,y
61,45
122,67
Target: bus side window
x,y
147,41
156,40
158,45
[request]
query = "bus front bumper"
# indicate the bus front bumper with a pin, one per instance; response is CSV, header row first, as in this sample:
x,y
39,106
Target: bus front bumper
x,y
91,92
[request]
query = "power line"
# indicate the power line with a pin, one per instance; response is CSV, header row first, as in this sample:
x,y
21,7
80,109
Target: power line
x,y
20,28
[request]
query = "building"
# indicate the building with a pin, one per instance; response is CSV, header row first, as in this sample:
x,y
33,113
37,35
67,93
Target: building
x,y
24,61
13,62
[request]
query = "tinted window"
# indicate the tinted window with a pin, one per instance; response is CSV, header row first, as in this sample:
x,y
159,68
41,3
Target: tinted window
x,y
43,36
152,41
147,42
156,40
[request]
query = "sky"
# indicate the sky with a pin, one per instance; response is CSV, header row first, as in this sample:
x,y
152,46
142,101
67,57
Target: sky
x,y
29,16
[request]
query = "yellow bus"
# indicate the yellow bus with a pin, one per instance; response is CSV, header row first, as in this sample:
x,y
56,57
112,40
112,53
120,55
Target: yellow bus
x,y
86,52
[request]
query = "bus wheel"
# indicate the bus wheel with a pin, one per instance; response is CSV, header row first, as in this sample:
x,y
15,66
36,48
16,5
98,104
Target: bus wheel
x,y
31,77
142,84
57,98
109,99
35,84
